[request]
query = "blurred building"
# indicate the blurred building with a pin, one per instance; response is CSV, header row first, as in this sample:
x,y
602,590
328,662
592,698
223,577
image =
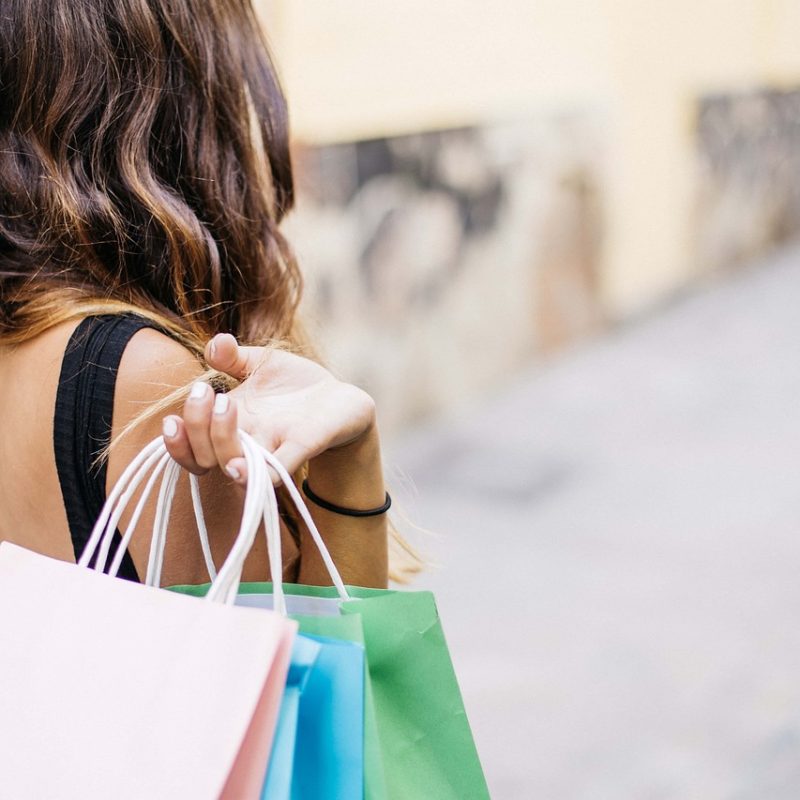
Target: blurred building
x,y
482,183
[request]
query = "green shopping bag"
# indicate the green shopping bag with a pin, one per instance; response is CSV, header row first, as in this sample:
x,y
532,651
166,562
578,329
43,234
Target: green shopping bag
x,y
426,746
425,737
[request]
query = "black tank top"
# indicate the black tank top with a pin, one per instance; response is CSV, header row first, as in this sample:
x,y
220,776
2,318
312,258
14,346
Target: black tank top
x,y
82,421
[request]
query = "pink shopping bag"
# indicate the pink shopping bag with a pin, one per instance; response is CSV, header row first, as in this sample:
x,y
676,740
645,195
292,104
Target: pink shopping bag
x,y
111,689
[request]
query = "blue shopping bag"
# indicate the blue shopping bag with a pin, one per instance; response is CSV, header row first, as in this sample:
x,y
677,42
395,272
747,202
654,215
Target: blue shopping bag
x,y
329,754
278,781
318,752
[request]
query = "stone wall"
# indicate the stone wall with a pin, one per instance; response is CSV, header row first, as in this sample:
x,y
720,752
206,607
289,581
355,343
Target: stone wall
x,y
438,263
749,176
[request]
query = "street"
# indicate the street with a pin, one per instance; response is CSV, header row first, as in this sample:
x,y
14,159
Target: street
x,y
615,550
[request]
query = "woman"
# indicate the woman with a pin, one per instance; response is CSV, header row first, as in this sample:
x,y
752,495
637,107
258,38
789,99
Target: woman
x,y
145,287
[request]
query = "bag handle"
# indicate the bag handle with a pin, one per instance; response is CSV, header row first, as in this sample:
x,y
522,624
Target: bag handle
x,y
302,508
226,585
260,503
120,496
137,513
111,521
118,499
271,518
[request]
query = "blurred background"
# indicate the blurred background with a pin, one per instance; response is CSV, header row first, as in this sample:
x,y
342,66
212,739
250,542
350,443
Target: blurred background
x,y
557,241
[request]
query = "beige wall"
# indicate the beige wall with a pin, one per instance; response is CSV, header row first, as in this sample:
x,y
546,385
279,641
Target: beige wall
x,y
362,68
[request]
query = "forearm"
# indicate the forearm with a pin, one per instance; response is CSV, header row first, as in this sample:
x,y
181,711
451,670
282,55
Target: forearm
x,y
349,476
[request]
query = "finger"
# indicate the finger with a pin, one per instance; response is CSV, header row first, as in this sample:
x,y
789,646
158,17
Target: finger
x,y
292,456
225,354
178,446
224,432
236,469
197,422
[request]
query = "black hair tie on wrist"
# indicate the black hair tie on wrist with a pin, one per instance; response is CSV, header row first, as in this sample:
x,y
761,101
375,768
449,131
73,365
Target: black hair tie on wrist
x,y
347,512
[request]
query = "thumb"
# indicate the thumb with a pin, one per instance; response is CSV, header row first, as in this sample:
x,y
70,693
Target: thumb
x,y
225,354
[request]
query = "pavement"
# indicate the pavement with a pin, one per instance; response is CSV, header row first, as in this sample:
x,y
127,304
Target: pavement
x,y
615,548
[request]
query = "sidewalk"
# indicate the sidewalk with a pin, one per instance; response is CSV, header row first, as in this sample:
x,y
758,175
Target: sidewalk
x,y
618,537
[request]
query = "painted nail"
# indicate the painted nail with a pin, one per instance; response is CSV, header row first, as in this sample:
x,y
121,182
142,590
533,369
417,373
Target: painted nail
x,y
169,427
199,390
233,472
221,403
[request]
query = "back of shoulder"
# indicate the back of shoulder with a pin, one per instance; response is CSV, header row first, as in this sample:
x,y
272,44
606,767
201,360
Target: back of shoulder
x,y
152,367
153,371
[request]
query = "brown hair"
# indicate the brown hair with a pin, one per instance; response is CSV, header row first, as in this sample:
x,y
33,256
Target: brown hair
x,y
144,165
144,158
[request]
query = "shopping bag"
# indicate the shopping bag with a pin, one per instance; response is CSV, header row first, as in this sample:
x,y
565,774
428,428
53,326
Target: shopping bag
x,y
349,629
426,745
318,751
278,781
113,689
322,617
426,741
329,754
423,732
323,704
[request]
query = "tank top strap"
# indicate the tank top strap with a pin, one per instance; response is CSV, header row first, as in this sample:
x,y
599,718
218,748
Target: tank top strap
x,y
82,422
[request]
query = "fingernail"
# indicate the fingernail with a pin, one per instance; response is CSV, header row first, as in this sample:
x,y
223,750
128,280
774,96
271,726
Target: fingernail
x,y
233,472
169,427
221,402
198,390
212,348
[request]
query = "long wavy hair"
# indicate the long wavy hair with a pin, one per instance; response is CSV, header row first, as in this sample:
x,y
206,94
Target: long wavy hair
x,y
144,165
144,159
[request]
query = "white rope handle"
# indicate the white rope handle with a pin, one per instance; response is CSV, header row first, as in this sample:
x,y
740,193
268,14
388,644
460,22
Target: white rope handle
x,y
260,503
158,541
137,513
120,496
122,503
226,585
294,493
265,493
197,507
223,588
272,528
302,508
161,523
122,493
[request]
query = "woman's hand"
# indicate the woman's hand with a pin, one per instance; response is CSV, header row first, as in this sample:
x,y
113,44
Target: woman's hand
x,y
292,406
301,413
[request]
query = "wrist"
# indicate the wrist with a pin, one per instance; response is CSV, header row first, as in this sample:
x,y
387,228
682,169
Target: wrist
x,y
343,511
350,475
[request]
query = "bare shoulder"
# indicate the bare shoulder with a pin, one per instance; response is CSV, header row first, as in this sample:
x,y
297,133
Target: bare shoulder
x,y
152,367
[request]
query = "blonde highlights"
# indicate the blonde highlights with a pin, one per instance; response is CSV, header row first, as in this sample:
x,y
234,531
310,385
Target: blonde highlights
x,y
144,159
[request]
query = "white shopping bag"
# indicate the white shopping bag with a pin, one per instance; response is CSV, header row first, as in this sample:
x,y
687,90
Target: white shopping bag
x,y
110,689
